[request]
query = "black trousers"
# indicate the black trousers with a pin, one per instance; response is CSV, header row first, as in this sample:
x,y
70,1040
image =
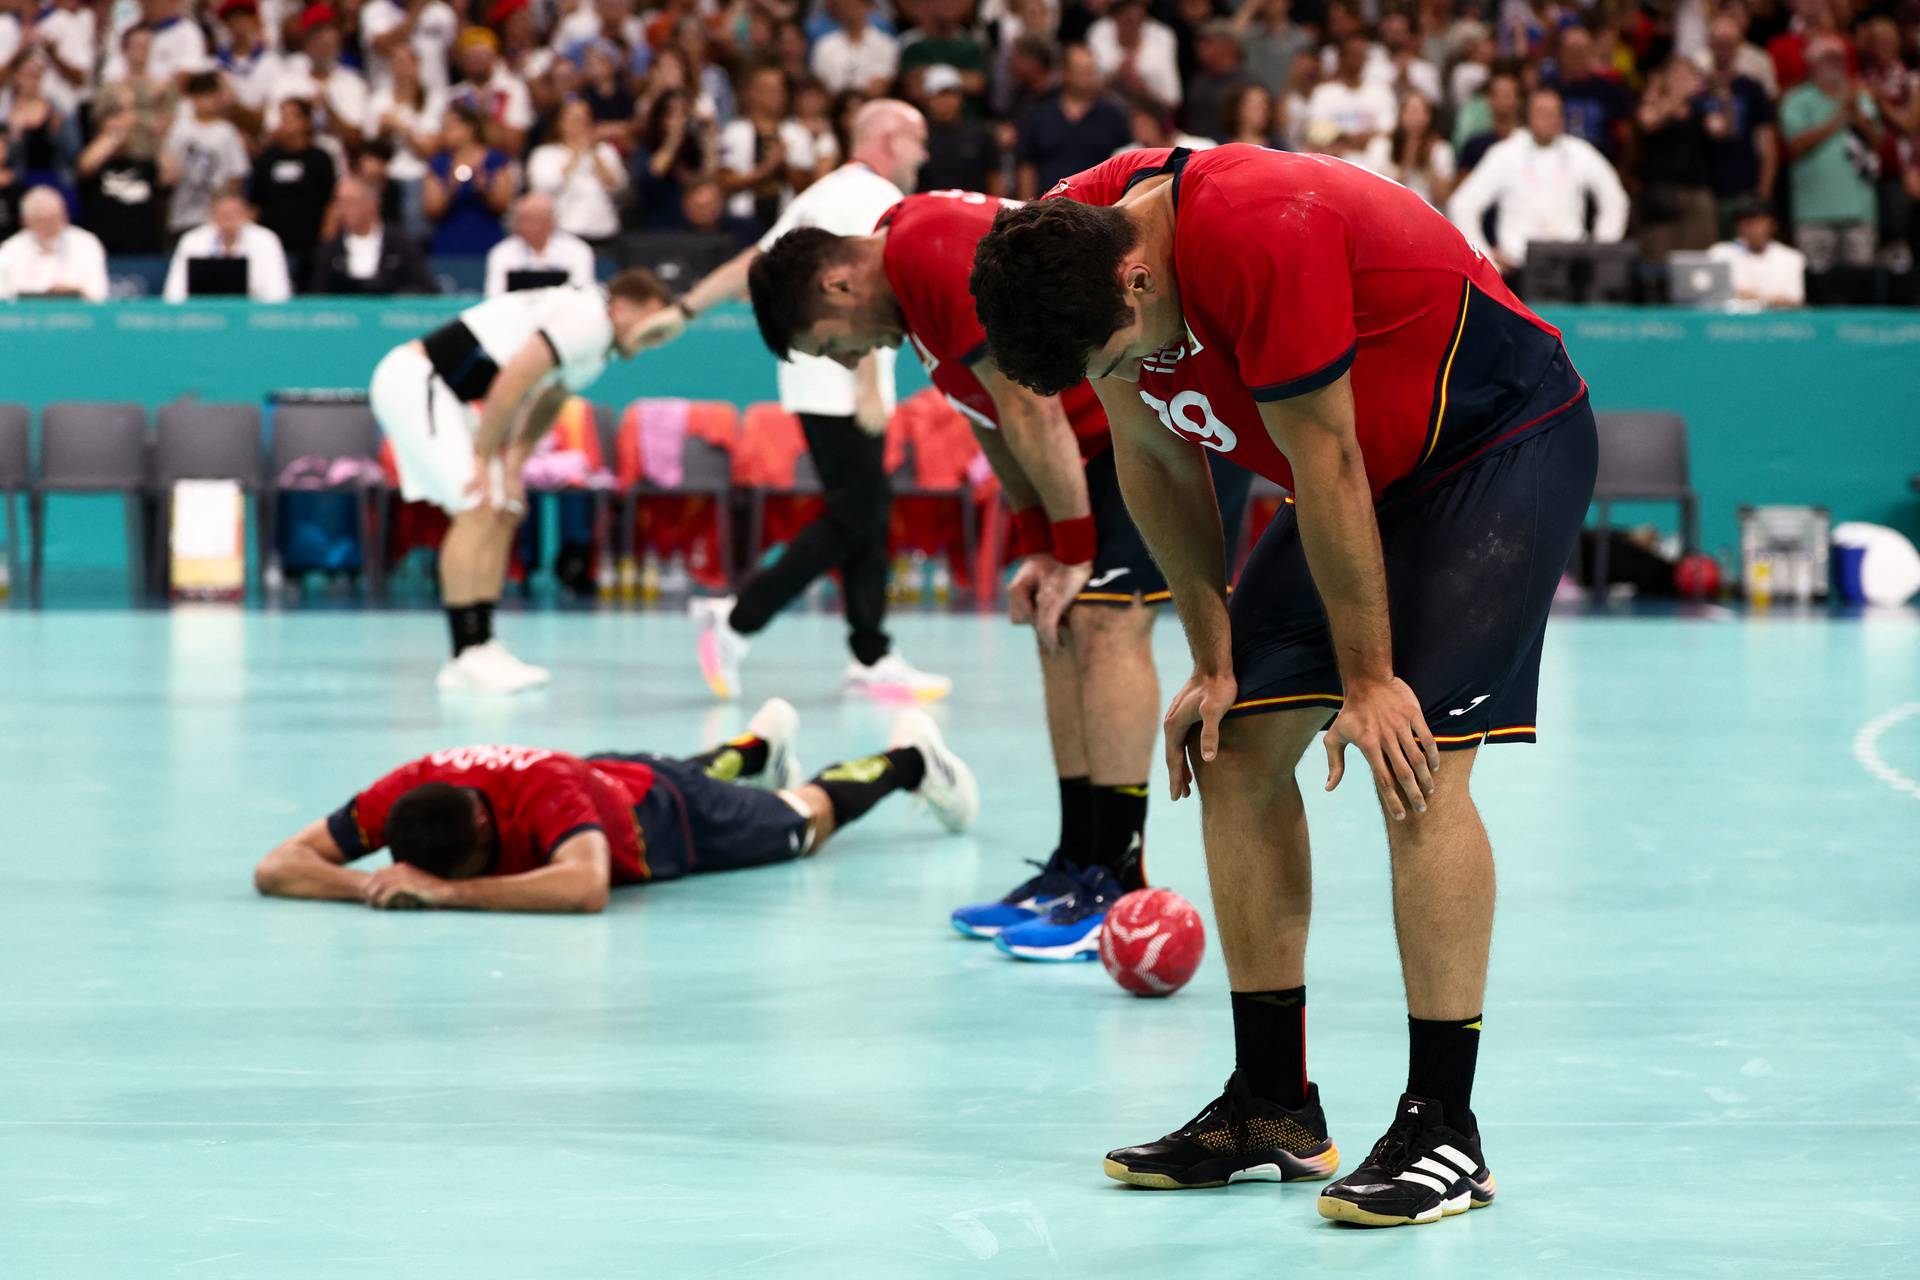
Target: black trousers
x,y
851,536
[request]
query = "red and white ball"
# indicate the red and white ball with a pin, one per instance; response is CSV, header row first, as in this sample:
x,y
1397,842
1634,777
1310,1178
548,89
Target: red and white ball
x,y
1152,942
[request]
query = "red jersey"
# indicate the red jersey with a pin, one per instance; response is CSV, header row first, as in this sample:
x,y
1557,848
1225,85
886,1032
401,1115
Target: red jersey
x,y
1331,268
929,255
537,800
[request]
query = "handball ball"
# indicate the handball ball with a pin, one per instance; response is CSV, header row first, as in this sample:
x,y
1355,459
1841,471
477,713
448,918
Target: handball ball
x,y
1697,577
1152,942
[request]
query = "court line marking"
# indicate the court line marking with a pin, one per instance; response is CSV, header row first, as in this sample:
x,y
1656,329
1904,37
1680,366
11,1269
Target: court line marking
x,y
1866,749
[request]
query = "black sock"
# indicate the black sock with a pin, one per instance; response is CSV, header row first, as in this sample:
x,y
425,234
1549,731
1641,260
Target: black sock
x,y
855,786
1440,1060
1270,1043
1076,820
1120,833
737,758
471,624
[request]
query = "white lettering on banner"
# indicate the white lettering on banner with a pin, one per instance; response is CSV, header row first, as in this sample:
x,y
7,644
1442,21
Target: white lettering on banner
x,y
519,758
1902,335
1177,416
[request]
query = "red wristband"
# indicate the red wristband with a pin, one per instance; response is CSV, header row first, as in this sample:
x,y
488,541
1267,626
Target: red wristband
x,y
1074,541
1031,533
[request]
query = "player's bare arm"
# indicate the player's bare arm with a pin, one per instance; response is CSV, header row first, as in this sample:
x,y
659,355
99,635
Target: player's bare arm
x,y
1341,537
576,881
1039,439
1168,488
309,864
506,398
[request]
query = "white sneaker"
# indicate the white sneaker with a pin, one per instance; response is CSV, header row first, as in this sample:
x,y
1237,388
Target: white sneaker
x,y
948,787
893,678
777,724
489,668
720,647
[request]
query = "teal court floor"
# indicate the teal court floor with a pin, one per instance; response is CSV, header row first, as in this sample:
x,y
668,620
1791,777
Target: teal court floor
x,y
1702,1036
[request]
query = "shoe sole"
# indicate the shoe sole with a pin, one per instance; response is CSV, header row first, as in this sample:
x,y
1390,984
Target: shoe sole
x,y
710,668
895,693
1312,1168
1337,1210
982,932
1039,955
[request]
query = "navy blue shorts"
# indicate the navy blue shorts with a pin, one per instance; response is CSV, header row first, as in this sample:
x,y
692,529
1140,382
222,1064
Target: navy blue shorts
x,y
1123,568
1472,562
694,823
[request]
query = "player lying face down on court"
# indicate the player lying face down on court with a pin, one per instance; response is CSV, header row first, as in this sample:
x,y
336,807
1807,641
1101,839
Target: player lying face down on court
x,y
519,357
839,297
1330,330
496,828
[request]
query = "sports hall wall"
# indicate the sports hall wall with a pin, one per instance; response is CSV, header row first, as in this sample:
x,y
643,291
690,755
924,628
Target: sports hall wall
x,y
1811,407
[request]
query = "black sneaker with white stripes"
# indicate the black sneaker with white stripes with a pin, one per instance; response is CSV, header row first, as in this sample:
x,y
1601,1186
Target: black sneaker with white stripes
x,y
1236,1138
1420,1171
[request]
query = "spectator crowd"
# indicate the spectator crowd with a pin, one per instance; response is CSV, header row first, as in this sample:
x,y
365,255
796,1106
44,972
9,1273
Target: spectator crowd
x,y
344,146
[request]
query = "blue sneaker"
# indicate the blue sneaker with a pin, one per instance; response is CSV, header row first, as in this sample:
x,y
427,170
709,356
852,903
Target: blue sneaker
x,y
1071,931
1032,900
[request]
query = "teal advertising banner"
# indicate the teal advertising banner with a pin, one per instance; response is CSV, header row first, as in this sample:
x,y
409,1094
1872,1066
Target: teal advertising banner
x,y
1808,406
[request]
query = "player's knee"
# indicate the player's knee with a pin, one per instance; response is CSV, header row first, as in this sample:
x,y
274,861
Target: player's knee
x,y
1099,629
269,876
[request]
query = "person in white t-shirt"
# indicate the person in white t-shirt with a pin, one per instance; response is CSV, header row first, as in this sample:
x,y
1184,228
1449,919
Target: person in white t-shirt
x,y
179,46
855,54
1137,55
427,29
49,257
203,154
518,357
537,245
246,58
1346,113
500,96
338,93
65,32
582,176
231,232
1765,272
844,416
763,153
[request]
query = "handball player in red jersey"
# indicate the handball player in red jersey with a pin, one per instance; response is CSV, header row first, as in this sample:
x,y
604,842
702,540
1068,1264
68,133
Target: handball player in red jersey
x,y
522,829
819,294
1326,328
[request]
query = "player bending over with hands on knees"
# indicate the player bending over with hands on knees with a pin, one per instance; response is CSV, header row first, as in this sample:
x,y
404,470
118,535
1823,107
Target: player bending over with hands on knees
x,y
1086,582
1328,329
519,356
522,829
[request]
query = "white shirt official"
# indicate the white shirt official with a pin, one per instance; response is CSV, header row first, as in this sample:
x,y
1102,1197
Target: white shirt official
x,y
267,279
563,252
846,202
1777,275
1542,193
75,260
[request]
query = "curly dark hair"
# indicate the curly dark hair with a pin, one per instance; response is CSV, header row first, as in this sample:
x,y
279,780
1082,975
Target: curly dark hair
x,y
784,283
1046,286
433,827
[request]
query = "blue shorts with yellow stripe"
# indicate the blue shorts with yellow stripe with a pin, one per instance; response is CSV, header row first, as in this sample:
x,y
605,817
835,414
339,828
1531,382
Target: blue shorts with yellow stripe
x,y
1123,568
1473,557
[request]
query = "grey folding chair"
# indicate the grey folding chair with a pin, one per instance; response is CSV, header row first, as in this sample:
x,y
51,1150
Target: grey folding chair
x,y
90,447
16,476
203,442
1643,458
331,430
